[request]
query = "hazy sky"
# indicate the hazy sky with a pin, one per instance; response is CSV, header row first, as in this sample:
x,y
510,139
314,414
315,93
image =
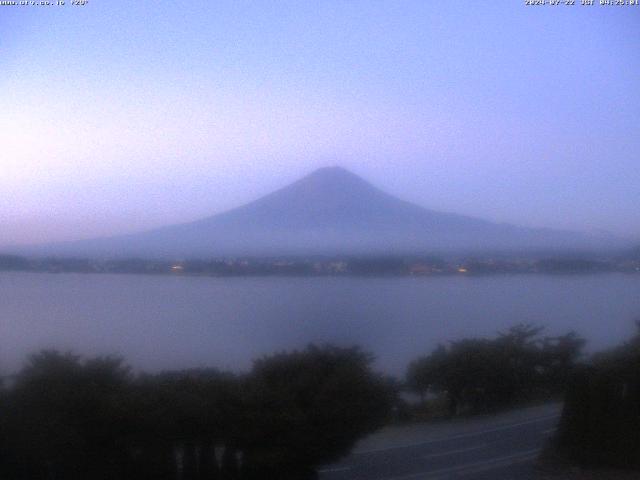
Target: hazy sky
x,y
122,115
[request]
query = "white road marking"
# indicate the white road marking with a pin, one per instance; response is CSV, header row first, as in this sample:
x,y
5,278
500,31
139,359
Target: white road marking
x,y
460,450
474,467
457,437
550,430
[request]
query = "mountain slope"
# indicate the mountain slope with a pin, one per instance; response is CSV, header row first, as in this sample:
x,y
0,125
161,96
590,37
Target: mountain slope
x,y
329,211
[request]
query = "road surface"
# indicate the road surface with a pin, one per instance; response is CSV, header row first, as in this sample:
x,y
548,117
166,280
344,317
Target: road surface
x,y
499,447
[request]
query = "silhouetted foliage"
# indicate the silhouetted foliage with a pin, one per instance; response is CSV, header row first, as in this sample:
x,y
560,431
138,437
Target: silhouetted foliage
x,y
68,418
571,265
63,418
309,408
481,374
377,266
601,418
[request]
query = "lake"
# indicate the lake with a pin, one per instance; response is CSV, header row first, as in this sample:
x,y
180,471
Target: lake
x,y
159,322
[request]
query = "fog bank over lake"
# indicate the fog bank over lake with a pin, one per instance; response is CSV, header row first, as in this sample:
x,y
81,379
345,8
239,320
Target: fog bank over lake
x,y
161,322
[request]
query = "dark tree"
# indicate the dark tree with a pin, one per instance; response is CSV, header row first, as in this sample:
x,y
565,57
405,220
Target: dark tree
x,y
480,374
308,408
68,418
600,422
65,419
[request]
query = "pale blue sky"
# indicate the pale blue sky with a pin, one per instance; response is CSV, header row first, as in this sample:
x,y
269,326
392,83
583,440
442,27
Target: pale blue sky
x,y
123,115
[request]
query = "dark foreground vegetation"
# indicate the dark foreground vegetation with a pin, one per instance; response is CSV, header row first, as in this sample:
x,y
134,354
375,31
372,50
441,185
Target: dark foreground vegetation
x,y
600,425
65,418
478,375
62,417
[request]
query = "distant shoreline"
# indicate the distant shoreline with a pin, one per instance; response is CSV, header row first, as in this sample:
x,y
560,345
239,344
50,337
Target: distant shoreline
x,y
370,266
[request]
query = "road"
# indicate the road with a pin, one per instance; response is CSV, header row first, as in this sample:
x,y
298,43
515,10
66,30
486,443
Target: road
x,y
499,447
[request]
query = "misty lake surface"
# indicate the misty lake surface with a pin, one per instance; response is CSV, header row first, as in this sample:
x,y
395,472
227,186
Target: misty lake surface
x,y
162,322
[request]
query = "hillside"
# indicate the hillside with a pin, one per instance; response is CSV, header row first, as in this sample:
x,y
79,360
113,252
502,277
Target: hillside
x,y
328,211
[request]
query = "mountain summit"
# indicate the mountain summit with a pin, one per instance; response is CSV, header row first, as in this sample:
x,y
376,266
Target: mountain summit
x,y
329,211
